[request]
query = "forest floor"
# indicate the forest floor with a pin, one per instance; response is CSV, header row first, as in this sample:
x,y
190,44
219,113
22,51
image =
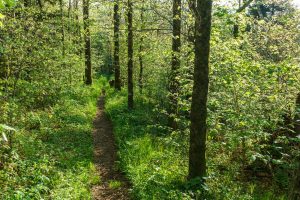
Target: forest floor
x,y
113,184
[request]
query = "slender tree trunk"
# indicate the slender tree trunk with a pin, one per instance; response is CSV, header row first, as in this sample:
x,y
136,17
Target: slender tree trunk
x,y
141,53
197,160
141,65
87,41
62,28
176,44
297,116
77,33
130,55
117,45
70,18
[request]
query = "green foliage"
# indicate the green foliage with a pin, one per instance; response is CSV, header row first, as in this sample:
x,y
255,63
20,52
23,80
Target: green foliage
x,y
252,149
52,155
148,159
156,163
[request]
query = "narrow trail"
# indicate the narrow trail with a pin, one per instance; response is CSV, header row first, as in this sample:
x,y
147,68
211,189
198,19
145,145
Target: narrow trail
x,y
105,155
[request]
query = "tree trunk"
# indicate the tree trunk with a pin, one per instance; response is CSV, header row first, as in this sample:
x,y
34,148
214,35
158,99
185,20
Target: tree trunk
x,y
141,52
297,116
117,45
87,41
141,65
197,160
40,4
176,44
77,32
62,28
130,56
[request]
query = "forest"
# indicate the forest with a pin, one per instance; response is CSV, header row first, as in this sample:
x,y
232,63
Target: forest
x,y
150,99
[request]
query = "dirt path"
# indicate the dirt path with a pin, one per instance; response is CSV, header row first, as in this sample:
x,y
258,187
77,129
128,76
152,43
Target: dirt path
x,y
105,157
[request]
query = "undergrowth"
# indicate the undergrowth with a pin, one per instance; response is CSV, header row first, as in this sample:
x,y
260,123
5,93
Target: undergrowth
x,y
156,161
52,150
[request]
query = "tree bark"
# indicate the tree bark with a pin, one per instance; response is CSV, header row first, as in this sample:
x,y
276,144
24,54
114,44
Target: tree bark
x,y
174,83
197,159
141,53
77,32
297,116
87,41
40,4
62,28
117,45
130,56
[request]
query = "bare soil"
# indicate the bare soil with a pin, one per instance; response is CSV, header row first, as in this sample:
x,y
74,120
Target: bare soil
x,y
105,156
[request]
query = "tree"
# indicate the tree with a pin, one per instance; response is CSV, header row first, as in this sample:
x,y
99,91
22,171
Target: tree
x,y
176,44
61,6
239,10
117,45
141,51
130,55
197,160
87,41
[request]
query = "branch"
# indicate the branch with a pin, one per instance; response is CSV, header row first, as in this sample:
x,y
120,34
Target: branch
x,y
244,6
192,6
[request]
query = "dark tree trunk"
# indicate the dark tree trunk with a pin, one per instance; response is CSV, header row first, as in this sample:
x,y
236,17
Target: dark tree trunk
x,y
40,4
176,44
141,53
236,30
197,160
141,65
297,116
87,41
130,56
77,32
62,28
117,45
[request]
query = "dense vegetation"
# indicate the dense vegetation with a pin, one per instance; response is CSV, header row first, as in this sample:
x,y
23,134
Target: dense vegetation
x,y
151,58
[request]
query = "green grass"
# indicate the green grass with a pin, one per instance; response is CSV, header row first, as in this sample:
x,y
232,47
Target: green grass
x,y
156,161
113,184
150,158
52,155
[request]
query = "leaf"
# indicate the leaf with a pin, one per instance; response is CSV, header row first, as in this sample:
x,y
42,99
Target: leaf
x,y
1,4
1,17
8,128
4,137
10,3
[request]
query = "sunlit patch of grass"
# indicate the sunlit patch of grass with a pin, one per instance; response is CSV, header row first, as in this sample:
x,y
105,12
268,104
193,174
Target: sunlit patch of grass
x,y
150,159
114,184
156,162
53,150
